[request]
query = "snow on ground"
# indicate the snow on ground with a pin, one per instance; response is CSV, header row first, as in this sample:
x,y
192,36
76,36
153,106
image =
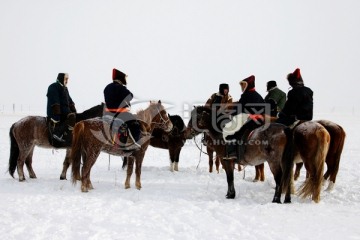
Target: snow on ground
x,y
189,204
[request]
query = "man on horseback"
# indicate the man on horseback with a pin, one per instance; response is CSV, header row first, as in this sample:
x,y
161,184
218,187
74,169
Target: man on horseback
x,y
220,102
221,99
117,100
60,109
299,104
276,97
252,104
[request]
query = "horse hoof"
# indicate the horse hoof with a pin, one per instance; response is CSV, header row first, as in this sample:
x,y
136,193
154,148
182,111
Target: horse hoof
x,y
230,196
62,178
276,200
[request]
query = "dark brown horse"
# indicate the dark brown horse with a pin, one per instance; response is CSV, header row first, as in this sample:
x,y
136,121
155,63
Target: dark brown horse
x,y
33,131
308,142
337,140
90,137
219,149
266,143
173,140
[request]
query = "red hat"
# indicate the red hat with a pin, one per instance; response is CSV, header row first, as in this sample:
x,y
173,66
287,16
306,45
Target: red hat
x,y
295,78
250,82
118,75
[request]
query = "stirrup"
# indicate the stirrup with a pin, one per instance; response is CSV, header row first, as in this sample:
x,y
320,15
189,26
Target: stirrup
x,y
57,138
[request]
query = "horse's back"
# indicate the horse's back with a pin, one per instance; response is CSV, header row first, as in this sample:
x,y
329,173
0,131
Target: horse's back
x,y
31,129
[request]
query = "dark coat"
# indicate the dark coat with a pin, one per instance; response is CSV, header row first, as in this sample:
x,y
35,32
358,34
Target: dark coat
x,y
117,96
299,105
58,94
250,102
278,96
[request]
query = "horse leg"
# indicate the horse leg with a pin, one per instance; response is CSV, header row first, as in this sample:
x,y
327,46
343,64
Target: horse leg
x,y
177,158
211,161
20,166
66,164
138,161
172,159
88,161
28,163
217,163
229,169
129,171
259,173
277,172
297,170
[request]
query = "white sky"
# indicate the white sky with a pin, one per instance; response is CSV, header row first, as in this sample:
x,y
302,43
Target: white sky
x,y
178,51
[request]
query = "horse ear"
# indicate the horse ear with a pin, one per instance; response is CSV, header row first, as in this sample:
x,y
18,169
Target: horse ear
x,y
159,102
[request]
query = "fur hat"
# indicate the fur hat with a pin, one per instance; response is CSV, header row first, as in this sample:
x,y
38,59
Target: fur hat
x,y
270,84
118,75
249,83
61,77
222,87
295,78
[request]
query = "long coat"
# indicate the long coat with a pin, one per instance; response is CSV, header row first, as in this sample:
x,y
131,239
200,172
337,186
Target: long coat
x,y
58,94
299,105
278,96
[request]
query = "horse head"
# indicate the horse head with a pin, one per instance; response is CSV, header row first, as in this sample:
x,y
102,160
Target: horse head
x,y
199,122
160,118
178,125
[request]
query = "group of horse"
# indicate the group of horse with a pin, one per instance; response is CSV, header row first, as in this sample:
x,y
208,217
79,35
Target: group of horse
x,y
311,143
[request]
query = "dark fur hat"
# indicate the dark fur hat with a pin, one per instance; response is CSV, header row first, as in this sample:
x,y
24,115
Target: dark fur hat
x,y
270,85
118,75
295,78
222,87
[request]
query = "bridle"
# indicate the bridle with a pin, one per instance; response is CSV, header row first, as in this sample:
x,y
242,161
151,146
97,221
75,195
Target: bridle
x,y
163,122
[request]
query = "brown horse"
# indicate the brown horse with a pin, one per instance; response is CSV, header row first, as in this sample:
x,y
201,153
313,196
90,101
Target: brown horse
x,y
337,140
173,140
90,137
33,131
266,143
311,142
308,142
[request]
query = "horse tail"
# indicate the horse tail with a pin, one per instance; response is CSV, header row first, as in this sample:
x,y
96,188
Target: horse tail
x,y
76,150
312,185
14,152
287,161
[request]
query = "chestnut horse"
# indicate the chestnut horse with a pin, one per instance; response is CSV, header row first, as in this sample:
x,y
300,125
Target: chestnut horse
x,y
266,143
33,131
173,140
337,140
90,137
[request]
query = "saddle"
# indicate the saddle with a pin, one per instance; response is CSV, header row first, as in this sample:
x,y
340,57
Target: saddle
x,y
66,135
124,135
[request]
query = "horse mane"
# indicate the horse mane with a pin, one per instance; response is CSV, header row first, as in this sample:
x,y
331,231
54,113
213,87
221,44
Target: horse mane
x,y
94,111
146,115
177,121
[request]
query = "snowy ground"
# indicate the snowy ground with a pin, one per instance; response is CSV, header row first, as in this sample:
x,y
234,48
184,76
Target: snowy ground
x,y
189,204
